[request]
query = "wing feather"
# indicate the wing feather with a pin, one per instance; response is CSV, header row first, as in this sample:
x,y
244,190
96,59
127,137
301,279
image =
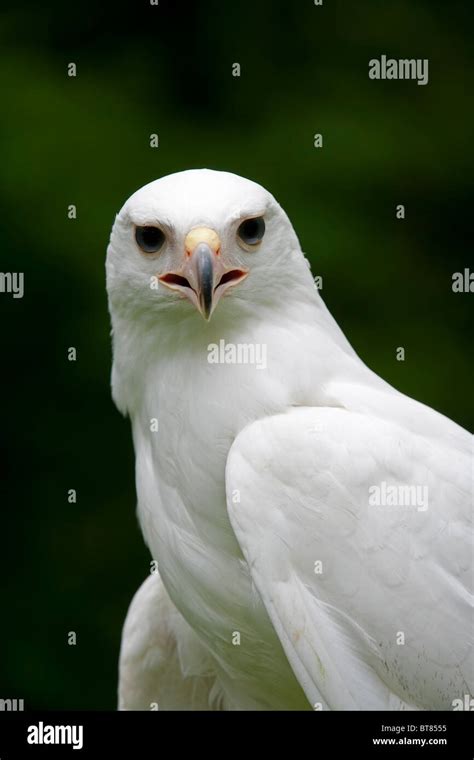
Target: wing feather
x,y
372,603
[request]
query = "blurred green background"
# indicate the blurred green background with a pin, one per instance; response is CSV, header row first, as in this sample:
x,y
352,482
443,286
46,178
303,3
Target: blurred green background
x,y
85,141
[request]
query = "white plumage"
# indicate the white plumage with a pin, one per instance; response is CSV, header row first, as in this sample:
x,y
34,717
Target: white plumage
x,y
281,584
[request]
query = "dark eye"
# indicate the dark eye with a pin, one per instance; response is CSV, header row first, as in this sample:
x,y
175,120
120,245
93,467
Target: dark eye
x,y
149,239
252,231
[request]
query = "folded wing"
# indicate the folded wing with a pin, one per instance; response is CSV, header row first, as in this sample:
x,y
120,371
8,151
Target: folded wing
x,y
358,536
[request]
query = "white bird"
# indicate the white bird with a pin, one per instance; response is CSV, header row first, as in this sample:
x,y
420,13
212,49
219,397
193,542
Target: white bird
x,y
310,523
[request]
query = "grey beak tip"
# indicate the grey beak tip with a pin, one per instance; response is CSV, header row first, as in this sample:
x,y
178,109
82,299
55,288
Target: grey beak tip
x,y
205,277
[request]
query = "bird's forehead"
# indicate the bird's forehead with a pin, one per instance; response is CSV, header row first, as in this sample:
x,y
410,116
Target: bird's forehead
x,y
194,197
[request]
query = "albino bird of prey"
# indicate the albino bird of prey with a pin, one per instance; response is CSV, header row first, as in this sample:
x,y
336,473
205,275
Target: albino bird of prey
x,y
310,523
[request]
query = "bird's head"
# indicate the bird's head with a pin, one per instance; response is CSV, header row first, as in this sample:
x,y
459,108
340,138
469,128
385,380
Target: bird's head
x,y
197,241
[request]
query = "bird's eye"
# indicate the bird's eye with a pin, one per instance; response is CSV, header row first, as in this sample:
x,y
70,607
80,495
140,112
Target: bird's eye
x,y
149,239
251,231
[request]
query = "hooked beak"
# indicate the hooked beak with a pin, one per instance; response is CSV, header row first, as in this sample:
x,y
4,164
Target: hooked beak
x,y
203,278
